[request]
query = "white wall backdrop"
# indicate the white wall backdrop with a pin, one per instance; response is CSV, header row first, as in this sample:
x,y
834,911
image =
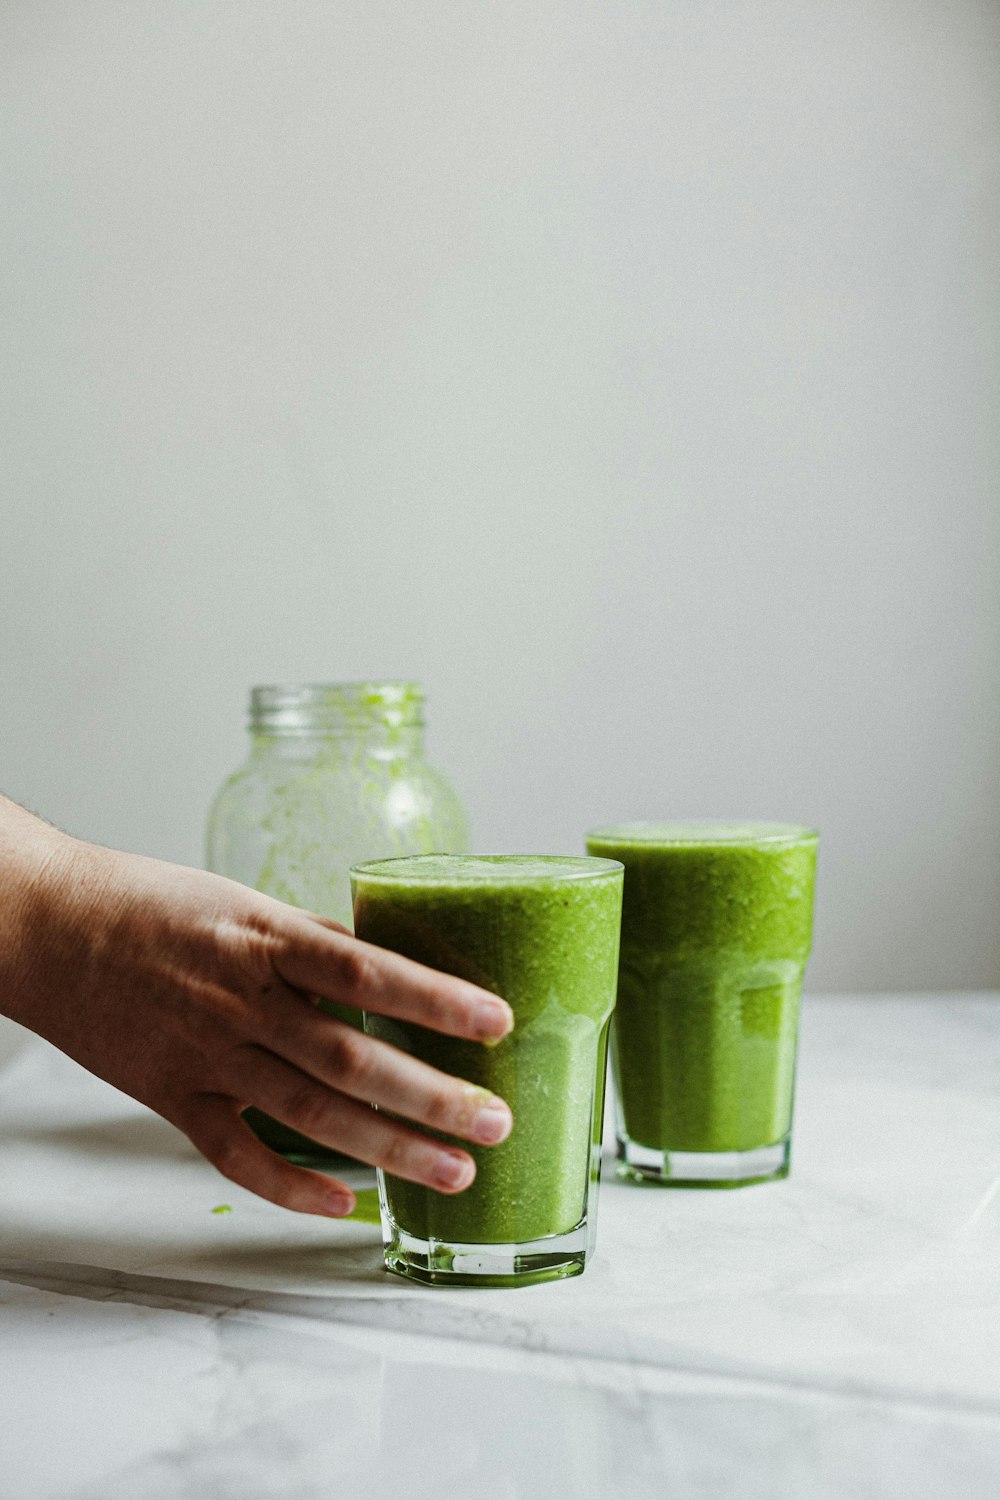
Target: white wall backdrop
x,y
627,371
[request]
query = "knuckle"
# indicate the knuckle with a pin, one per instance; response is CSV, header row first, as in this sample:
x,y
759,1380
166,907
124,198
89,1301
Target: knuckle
x,y
439,1011
347,1054
442,1111
358,975
227,1157
395,1154
308,1109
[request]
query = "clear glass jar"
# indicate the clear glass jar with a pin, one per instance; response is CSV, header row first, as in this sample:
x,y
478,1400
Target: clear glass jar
x,y
336,775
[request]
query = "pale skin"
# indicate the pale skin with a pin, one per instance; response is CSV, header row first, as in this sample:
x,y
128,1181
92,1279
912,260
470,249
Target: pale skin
x,y
196,996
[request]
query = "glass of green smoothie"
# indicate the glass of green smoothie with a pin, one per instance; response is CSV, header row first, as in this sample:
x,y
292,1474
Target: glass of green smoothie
x,y
541,931
716,931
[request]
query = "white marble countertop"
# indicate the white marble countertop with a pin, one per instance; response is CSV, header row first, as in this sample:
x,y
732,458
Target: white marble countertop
x,y
837,1334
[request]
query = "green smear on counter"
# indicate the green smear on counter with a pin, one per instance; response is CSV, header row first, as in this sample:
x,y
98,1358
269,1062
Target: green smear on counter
x,y
222,1208
366,1210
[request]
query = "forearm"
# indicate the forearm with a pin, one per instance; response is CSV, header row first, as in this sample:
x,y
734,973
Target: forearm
x,y
32,853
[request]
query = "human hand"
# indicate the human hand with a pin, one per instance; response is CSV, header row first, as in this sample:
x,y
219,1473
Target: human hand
x,y
195,995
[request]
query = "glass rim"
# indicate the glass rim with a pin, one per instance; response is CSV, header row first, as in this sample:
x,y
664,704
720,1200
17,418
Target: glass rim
x,y
730,833
486,869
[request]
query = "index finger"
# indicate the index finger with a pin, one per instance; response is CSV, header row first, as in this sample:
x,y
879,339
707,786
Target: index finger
x,y
330,963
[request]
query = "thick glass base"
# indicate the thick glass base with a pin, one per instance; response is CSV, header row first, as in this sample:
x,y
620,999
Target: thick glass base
x,y
703,1169
436,1263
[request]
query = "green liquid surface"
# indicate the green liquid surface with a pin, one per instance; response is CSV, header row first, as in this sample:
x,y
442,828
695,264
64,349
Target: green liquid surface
x,y
543,933
716,931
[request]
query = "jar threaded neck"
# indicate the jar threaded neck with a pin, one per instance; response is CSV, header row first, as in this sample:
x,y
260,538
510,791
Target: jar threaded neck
x,y
335,707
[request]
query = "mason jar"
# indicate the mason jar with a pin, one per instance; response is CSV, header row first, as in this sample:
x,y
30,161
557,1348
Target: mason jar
x,y
336,775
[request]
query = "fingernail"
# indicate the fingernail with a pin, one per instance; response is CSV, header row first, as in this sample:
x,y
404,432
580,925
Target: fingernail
x,y
339,1205
494,1019
453,1171
492,1124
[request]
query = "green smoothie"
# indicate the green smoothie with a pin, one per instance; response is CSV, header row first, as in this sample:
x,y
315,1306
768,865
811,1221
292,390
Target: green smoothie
x,y
716,931
542,932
